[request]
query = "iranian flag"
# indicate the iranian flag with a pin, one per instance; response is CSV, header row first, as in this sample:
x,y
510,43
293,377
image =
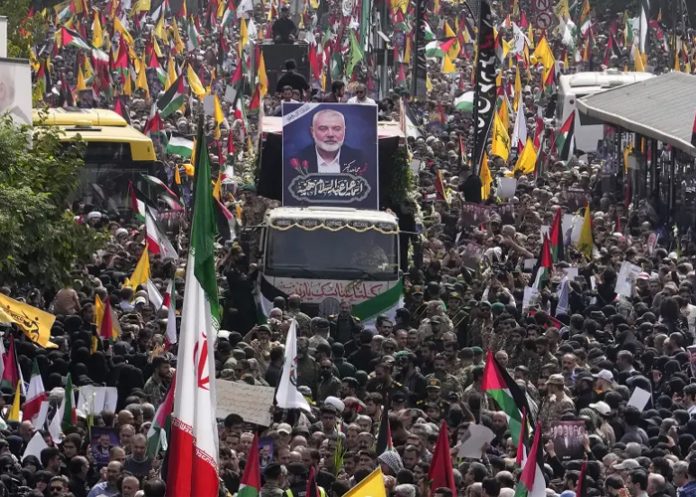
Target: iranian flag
x,y
250,485
193,452
173,98
532,482
500,387
35,394
161,425
565,141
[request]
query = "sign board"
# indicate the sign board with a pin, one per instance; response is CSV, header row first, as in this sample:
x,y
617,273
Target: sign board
x,y
15,90
330,155
567,439
626,279
251,402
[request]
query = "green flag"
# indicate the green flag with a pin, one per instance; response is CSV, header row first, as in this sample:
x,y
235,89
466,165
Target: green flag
x,y
355,55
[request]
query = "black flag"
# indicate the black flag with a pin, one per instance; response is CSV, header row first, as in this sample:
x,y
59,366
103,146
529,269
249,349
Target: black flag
x,y
484,98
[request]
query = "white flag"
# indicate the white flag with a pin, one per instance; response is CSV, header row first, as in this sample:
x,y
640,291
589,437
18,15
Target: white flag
x,y
287,396
519,132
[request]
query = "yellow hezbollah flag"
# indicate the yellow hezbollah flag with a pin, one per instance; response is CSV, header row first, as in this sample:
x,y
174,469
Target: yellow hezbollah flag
x,y
370,486
97,32
544,55
80,85
35,323
13,414
171,72
123,31
503,112
585,243
527,159
141,273
447,65
178,42
638,60
218,115
195,83
141,81
501,139
486,178
263,77
160,31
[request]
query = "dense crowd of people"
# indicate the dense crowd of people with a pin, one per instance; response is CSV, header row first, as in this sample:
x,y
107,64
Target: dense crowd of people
x,y
579,359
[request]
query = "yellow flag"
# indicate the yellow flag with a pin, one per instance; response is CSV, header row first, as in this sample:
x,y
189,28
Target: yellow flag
x,y
504,114
263,77
243,35
178,43
128,84
637,60
177,175
221,9
141,273
428,84
123,31
141,81
156,48
563,10
35,323
98,311
88,70
160,31
585,242
143,6
80,85
544,56
677,66
530,35
448,31
527,159
518,90
447,65
372,485
97,32
171,73
217,187
218,115
13,414
407,51
486,178
501,139
195,83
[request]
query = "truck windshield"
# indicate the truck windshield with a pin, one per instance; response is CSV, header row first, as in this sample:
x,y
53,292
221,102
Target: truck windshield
x,y
325,254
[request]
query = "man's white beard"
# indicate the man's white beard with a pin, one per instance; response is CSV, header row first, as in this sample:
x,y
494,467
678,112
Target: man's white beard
x,y
329,147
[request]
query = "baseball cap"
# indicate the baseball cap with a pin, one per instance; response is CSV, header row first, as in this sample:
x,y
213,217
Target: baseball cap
x,y
284,428
605,375
601,407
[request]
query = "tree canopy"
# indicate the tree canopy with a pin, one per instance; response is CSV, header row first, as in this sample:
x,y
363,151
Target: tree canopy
x,y
40,239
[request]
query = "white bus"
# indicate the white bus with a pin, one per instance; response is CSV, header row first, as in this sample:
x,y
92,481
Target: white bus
x,y
327,255
574,86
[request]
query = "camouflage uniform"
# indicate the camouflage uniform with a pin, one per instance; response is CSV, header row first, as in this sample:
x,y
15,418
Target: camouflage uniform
x,y
553,409
537,362
448,383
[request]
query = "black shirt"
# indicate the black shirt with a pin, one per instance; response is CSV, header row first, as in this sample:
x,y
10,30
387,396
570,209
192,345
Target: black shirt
x,y
283,28
291,78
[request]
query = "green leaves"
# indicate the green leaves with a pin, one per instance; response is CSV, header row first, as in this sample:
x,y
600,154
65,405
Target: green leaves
x,y
40,240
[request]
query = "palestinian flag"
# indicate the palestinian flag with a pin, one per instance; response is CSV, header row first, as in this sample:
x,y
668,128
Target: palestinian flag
x,y
543,267
500,387
173,98
565,139
523,441
136,202
250,485
164,192
70,38
556,237
532,482
159,429
178,145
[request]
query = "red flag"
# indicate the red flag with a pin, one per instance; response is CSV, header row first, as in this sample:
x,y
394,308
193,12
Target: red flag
x,y
107,323
121,61
10,373
440,474
580,488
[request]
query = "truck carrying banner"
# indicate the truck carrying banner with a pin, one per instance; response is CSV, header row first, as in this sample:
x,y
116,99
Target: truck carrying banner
x,y
330,155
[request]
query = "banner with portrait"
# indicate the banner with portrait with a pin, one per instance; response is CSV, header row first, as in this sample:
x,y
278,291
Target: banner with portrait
x,y
330,155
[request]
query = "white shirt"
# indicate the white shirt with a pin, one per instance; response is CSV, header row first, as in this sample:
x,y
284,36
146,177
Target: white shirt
x,y
365,101
325,167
